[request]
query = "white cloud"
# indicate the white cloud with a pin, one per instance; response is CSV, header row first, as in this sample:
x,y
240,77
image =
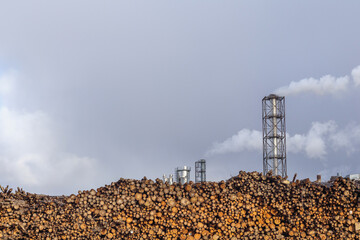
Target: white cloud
x,y
356,75
31,153
7,82
325,85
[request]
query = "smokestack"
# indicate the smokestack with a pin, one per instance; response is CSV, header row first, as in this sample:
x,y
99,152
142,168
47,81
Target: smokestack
x,y
200,171
274,135
275,164
318,178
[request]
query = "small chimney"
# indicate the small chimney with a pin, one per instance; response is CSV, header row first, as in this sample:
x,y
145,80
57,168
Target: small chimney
x,y
318,178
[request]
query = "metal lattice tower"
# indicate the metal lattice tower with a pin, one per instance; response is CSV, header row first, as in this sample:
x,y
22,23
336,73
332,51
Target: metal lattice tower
x,y
200,171
274,135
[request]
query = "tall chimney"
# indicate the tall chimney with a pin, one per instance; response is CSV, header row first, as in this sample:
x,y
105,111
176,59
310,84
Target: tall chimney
x,y
274,135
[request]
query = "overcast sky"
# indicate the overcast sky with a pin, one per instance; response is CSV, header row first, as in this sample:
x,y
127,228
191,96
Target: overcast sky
x,y
92,91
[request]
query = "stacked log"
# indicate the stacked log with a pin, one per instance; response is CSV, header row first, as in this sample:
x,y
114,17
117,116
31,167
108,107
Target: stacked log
x,y
248,206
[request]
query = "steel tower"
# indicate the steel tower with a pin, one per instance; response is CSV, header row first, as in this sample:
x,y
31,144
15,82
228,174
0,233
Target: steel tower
x,y
274,135
200,171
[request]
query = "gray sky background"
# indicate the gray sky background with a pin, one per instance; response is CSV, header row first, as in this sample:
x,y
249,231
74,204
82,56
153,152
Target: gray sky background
x,y
94,91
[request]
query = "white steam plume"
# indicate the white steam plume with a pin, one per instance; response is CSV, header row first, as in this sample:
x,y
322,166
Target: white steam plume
x,y
347,139
314,143
356,75
245,139
31,155
325,85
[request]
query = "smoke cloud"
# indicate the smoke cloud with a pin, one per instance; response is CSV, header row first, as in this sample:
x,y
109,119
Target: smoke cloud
x,y
347,139
31,153
325,85
314,144
244,140
356,75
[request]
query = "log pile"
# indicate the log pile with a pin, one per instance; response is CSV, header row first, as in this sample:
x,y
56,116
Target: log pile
x,y
248,206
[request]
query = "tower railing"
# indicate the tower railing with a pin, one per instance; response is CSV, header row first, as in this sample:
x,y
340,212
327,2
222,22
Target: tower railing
x,y
200,171
274,135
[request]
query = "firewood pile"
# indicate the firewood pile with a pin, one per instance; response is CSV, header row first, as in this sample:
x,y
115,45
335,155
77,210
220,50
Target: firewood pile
x,y
248,206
